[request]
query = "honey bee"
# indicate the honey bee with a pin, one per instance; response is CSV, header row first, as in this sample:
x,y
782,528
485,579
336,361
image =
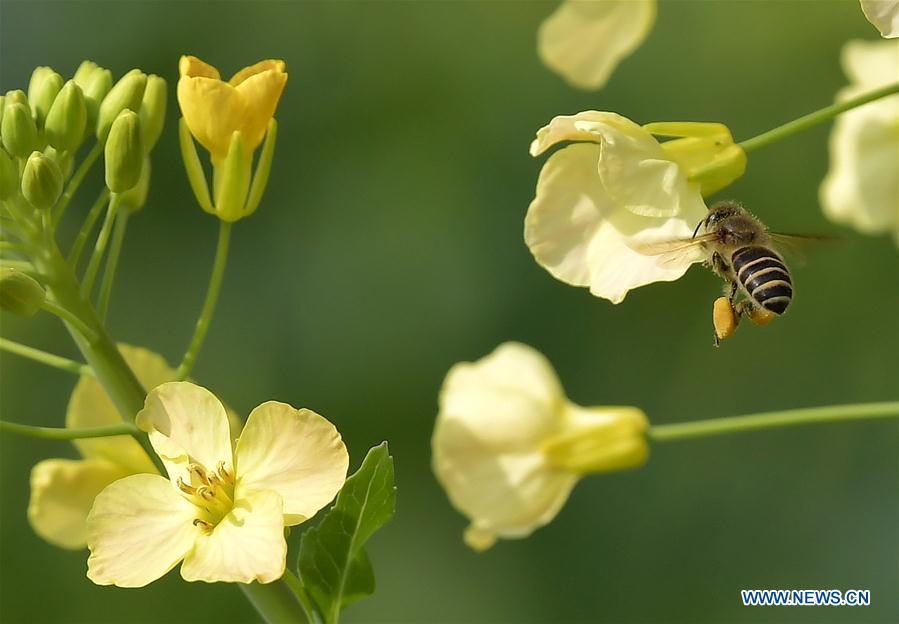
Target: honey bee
x,y
741,250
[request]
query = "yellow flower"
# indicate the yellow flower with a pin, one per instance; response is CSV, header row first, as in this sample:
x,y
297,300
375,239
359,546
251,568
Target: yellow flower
x,y
584,41
224,507
884,15
508,446
600,202
214,109
861,188
63,490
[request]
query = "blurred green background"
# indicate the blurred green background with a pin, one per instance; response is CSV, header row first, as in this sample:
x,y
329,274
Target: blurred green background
x,y
389,246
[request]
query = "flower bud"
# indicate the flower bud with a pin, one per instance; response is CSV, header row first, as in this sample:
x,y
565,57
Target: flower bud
x,y
134,198
20,293
43,88
18,130
9,176
67,119
124,154
152,111
95,84
126,94
63,160
16,96
41,181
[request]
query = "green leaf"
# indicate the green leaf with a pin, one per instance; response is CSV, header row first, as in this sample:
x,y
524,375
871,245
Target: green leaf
x,y
333,565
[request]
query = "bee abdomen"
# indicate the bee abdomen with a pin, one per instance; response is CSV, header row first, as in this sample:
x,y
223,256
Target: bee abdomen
x,y
764,276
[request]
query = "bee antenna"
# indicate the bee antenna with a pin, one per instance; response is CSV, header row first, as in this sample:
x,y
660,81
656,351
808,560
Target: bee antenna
x,y
696,231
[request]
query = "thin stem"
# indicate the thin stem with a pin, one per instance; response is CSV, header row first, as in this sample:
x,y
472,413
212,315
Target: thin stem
x,y
62,433
815,118
11,246
75,182
770,420
89,334
43,357
87,226
87,284
302,597
275,602
118,237
212,294
20,265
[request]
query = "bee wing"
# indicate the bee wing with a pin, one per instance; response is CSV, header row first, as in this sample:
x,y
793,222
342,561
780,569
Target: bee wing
x,y
678,250
794,246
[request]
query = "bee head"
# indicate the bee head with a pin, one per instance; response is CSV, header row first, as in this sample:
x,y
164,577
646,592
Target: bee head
x,y
717,213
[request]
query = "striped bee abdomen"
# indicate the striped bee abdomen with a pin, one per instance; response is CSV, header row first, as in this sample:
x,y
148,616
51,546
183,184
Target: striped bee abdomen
x,y
764,276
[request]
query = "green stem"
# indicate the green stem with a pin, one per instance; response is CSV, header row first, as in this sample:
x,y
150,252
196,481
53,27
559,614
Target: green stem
x,y
75,182
87,226
20,265
62,433
275,602
812,119
43,357
212,294
302,597
770,420
118,237
90,274
70,319
101,354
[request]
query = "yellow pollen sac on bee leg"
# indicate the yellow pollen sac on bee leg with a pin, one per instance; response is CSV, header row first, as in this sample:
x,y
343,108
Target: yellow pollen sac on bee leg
x,y
760,316
724,318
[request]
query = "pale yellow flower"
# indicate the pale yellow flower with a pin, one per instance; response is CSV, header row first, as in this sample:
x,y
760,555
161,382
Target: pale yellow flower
x,y
214,109
584,40
508,446
223,508
884,15
63,490
861,188
601,202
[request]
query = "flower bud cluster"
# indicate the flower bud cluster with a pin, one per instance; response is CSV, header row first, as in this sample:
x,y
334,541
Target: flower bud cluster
x,y
41,131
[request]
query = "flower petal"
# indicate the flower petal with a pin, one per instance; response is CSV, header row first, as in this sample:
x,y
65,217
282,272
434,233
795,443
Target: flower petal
x,y
861,188
90,406
139,528
884,15
580,127
869,64
213,110
505,494
583,237
247,545
296,453
257,68
585,41
62,493
261,93
638,175
509,400
186,424
192,67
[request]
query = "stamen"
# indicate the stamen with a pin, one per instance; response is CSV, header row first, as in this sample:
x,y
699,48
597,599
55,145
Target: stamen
x,y
223,472
197,471
203,525
186,488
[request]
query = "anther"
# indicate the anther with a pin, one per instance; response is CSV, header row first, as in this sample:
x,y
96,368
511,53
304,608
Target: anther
x,y
185,488
203,525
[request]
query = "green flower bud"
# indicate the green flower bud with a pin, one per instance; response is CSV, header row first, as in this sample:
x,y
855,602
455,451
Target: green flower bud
x,y
95,87
67,118
16,96
2,104
18,131
124,153
126,94
9,176
20,293
83,72
134,198
41,181
43,88
152,111
63,160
